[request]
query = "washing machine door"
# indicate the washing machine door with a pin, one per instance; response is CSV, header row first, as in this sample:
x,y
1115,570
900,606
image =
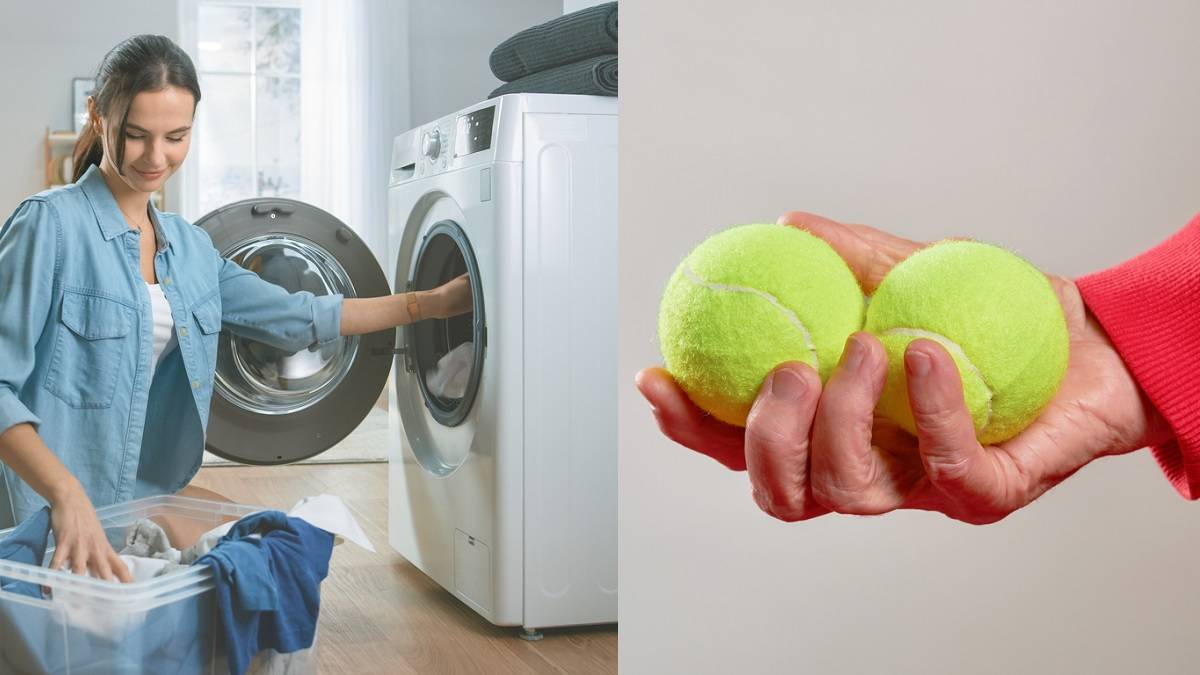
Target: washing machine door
x,y
438,377
274,407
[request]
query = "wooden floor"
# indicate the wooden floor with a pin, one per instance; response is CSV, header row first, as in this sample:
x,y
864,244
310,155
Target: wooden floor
x,y
379,614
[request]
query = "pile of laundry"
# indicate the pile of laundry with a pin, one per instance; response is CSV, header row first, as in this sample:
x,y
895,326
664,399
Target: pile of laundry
x,y
267,569
573,54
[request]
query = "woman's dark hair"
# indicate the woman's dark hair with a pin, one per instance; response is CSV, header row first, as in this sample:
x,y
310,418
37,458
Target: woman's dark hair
x,y
140,63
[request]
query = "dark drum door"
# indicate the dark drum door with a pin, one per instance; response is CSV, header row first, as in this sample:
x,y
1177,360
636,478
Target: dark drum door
x,y
444,356
270,406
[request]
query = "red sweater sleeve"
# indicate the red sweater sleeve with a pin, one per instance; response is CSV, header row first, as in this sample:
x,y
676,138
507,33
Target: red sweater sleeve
x,y
1150,307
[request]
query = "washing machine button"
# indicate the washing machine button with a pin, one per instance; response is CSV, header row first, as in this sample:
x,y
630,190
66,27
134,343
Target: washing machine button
x,y
431,144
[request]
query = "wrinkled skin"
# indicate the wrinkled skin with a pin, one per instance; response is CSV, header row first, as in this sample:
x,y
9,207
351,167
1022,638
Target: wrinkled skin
x,y
810,450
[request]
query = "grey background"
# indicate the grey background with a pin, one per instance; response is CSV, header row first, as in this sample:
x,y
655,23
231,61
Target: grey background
x,y
1066,131
42,46
450,41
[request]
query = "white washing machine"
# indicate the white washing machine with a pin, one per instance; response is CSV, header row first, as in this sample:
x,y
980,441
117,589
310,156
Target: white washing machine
x,y
503,472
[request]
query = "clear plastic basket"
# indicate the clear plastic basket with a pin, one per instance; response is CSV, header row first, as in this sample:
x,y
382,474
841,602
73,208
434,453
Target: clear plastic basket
x,y
165,624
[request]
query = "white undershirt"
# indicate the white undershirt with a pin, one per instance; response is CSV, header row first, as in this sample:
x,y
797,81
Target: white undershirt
x,y
164,325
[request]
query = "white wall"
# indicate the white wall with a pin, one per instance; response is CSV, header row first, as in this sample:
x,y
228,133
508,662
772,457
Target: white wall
x,y
449,42
1065,130
42,46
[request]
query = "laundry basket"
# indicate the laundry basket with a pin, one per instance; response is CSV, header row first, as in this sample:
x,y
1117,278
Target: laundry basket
x,y
167,624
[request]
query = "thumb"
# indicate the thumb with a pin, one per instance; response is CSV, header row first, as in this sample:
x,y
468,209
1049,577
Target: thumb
x,y
955,462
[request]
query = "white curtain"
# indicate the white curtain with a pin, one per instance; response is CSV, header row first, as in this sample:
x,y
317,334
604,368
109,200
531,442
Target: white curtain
x,y
354,101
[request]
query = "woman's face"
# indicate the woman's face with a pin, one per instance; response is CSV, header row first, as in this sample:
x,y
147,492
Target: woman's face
x,y
157,136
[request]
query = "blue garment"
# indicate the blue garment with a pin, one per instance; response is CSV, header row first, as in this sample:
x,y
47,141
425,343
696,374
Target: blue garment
x,y
26,544
269,589
76,340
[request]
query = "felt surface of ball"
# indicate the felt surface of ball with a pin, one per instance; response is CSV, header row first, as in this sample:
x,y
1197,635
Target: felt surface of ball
x,y
997,316
747,299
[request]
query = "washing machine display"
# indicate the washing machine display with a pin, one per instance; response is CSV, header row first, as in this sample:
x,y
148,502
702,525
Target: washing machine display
x,y
270,406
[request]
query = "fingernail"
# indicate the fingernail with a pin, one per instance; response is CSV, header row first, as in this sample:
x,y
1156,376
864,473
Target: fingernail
x,y
918,363
787,385
853,357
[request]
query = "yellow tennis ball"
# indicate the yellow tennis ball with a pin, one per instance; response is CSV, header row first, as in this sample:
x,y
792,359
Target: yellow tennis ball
x,y
746,300
996,315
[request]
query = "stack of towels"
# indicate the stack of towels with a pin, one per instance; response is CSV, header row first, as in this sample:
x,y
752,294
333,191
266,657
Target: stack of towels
x,y
573,54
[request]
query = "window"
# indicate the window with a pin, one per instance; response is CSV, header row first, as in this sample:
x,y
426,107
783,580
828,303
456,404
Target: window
x,y
248,127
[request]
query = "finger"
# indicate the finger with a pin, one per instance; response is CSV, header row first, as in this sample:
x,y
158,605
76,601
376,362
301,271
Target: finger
x,y
685,423
848,474
100,568
79,561
957,465
870,253
119,568
61,553
777,442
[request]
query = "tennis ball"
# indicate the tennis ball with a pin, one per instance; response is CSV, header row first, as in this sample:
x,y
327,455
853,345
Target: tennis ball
x,y
996,315
744,301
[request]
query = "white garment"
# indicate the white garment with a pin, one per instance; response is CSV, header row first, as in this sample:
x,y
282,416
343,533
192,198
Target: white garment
x,y
452,372
164,325
141,569
327,512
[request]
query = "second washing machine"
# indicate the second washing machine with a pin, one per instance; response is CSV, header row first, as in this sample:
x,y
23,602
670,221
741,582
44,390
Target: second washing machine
x,y
503,468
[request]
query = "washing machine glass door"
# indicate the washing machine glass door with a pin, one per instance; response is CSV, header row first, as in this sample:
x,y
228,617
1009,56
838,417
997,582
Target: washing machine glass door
x,y
445,356
271,406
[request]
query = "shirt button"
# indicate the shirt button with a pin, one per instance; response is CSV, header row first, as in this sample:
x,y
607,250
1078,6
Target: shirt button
x,y
195,384
167,281
182,332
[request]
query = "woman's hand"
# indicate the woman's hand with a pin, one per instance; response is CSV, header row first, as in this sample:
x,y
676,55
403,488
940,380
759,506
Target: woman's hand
x,y
451,298
810,449
79,540
367,315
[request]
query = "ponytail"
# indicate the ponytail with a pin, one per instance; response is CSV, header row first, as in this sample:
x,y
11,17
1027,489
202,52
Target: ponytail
x,y
89,150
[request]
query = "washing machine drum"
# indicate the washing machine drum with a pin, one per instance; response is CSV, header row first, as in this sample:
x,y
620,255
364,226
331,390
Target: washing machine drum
x,y
447,354
437,388
270,406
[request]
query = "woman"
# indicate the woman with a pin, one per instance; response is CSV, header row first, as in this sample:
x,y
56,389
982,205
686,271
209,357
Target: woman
x,y
112,309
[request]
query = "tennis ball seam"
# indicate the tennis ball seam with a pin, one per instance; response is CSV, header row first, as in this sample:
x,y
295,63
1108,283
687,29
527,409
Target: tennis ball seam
x,y
787,312
956,349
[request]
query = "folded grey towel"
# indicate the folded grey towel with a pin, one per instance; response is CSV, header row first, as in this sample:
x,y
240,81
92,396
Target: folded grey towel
x,y
596,76
569,38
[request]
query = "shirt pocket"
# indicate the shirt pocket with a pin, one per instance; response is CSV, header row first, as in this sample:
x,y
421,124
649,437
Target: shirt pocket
x,y
207,314
89,350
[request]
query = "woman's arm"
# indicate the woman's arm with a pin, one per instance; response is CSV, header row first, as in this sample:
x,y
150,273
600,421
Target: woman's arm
x,y
261,310
28,263
367,315
24,451
79,538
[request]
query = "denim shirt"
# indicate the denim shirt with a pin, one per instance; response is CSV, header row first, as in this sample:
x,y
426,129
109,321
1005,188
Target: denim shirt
x,y
76,341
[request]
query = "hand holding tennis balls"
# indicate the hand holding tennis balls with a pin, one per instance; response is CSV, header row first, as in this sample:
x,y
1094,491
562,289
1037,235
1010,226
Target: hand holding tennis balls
x,y
812,446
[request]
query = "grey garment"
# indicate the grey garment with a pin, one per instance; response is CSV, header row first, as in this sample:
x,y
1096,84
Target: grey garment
x,y
567,39
146,539
596,76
